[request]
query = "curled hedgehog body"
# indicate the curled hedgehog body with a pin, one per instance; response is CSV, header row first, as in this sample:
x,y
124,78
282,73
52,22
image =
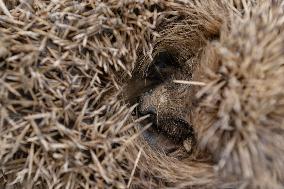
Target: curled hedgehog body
x,y
205,79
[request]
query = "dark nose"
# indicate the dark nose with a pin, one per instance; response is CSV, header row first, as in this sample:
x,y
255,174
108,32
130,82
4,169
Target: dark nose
x,y
147,111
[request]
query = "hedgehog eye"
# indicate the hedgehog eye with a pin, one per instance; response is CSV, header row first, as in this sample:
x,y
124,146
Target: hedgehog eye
x,y
162,67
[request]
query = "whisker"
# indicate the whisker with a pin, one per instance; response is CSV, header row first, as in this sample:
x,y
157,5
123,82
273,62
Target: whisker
x,y
198,83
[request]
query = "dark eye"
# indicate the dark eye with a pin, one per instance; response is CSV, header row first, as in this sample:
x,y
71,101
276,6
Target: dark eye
x,y
162,67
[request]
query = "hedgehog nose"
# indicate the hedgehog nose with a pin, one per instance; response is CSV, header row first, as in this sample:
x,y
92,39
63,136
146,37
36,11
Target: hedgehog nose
x,y
147,111
151,111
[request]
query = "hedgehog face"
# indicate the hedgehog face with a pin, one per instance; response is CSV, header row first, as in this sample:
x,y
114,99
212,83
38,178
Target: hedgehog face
x,y
167,104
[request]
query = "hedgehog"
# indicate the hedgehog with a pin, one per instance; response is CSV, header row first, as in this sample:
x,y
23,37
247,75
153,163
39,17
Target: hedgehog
x,y
141,94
